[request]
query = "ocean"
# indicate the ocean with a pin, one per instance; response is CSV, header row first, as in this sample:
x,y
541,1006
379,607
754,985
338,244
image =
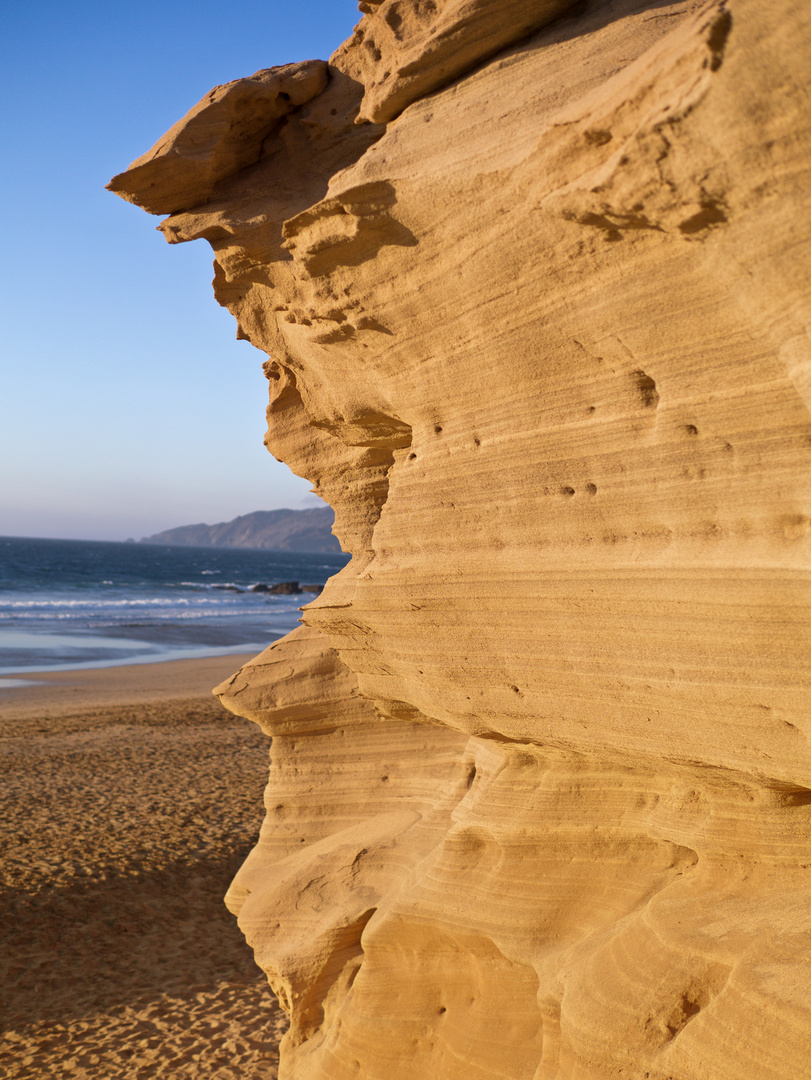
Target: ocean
x,y
68,604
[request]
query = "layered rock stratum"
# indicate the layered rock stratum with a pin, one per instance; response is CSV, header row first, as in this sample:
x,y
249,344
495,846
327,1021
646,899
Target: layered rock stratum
x,y
532,279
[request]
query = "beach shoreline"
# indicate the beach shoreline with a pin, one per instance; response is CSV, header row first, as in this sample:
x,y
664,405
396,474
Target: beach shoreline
x,y
129,799
24,694
71,605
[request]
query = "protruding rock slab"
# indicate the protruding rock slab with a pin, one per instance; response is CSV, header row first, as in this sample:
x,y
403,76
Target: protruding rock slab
x,y
222,134
404,50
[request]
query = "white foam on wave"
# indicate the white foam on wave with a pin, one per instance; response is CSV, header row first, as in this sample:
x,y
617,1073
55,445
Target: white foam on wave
x,y
186,653
25,639
152,601
208,594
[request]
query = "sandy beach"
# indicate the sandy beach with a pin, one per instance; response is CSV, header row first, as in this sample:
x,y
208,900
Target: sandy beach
x,y
129,798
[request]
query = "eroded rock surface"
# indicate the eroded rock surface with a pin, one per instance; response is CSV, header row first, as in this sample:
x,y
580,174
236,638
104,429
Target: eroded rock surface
x,y
533,281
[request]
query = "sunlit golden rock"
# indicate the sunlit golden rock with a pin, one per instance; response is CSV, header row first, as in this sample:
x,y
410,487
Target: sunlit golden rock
x,y
541,784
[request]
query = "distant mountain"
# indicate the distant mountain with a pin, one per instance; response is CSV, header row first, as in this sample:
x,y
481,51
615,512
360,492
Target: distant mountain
x,y
270,530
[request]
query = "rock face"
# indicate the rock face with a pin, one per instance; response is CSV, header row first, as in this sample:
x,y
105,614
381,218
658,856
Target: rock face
x,y
533,282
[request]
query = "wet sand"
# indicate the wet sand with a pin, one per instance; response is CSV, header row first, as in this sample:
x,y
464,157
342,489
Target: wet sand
x,y
129,797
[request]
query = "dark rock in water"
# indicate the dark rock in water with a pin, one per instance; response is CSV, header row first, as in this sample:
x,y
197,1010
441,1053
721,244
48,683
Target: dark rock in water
x,y
282,588
228,588
285,588
312,588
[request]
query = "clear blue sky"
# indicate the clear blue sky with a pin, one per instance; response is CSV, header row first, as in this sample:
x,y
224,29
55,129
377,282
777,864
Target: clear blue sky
x,y
127,404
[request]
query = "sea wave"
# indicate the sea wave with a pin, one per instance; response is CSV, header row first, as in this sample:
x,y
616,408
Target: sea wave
x,y
212,596
173,599
97,602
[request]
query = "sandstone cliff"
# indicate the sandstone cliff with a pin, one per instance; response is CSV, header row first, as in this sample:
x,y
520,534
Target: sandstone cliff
x,y
532,280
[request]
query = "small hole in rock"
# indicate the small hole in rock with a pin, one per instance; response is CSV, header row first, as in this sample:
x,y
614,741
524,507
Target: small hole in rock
x,y
412,457
591,489
647,388
598,137
567,491
438,429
